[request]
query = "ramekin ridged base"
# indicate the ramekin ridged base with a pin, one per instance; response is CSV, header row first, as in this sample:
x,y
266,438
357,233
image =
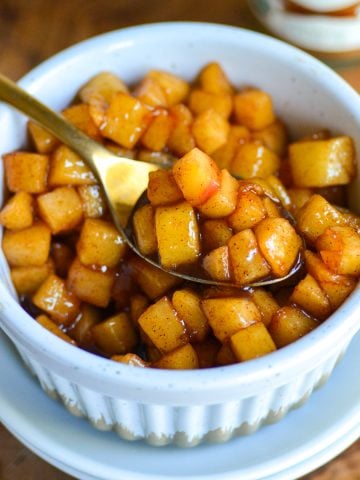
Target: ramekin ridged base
x,y
185,426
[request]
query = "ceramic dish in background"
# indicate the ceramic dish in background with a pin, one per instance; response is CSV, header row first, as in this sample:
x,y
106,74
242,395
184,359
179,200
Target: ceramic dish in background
x,y
325,5
318,33
186,407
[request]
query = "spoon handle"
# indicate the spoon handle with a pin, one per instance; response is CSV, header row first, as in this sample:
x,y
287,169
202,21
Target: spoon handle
x,y
67,133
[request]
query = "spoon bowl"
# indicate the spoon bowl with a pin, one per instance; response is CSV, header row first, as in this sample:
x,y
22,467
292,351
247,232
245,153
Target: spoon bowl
x,y
124,181
195,273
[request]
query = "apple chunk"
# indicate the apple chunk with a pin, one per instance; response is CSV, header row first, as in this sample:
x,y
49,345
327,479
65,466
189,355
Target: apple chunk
x,y
339,248
223,202
252,342
279,243
161,323
227,316
177,235
197,176
247,262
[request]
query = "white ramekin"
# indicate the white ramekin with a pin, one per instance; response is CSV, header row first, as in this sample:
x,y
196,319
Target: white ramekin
x,y
186,407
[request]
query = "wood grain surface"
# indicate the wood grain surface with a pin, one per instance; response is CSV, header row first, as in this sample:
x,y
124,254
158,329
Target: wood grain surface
x,y
30,32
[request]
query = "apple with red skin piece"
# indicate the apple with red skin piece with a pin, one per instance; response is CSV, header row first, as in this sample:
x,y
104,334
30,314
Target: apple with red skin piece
x,y
197,176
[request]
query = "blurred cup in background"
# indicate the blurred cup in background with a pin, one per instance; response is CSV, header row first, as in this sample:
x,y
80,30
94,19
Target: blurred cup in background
x,y
320,26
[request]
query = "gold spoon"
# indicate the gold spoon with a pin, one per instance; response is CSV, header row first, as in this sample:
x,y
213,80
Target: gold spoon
x,y
123,180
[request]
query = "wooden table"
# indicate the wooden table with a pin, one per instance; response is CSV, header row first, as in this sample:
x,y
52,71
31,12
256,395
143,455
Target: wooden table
x,y
30,32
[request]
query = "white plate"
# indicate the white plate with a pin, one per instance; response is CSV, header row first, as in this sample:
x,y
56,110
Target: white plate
x,y
306,439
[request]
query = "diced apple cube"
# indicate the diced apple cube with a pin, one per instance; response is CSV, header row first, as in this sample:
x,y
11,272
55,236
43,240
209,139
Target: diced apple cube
x,y
79,115
26,172
177,235
27,247
181,140
279,243
163,326
213,79
67,168
97,110
158,132
162,188
90,286
278,187
57,301
93,201
224,155
215,234
247,263
130,359
210,131
253,159
150,92
200,101
337,287
339,248
115,335
103,86
274,137
309,296
223,202
43,140
272,208
18,212
61,209
253,108
182,358
226,316
316,216
249,211
126,120
266,303
153,281
216,264
80,331
47,323
181,114
144,230
321,163
174,87
187,303
197,176
100,244
28,279
290,324
252,342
